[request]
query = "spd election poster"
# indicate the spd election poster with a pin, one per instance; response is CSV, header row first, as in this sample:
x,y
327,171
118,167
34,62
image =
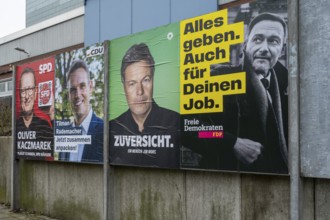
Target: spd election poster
x,y
34,136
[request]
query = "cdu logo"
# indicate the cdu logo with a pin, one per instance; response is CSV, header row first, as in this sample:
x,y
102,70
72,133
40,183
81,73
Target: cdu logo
x,y
93,51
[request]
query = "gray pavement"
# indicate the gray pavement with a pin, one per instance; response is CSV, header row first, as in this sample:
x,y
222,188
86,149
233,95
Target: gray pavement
x,y
7,214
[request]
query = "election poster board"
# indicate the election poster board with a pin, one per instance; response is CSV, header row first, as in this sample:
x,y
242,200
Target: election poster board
x,y
233,94
79,95
144,99
34,137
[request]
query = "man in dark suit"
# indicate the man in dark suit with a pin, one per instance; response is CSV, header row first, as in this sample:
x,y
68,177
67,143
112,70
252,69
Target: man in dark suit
x,y
146,134
264,146
255,123
80,89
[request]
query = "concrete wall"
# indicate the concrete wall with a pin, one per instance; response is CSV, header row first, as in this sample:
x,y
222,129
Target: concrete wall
x,y
156,194
5,169
164,194
315,86
62,190
75,191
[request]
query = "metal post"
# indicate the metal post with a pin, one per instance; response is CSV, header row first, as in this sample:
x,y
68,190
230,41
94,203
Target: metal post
x,y
15,186
106,167
294,112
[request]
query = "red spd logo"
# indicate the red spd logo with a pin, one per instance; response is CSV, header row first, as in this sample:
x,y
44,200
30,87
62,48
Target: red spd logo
x,y
45,93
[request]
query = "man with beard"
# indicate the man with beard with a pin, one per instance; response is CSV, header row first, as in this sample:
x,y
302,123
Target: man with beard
x,y
33,133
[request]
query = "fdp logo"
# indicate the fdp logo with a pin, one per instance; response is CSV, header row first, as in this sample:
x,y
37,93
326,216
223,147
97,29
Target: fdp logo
x,y
93,51
45,68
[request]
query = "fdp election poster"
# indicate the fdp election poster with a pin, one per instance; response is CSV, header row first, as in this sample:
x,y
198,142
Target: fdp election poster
x,y
79,96
35,110
144,99
233,94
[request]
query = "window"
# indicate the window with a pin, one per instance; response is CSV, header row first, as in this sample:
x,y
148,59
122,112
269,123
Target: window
x,y
6,87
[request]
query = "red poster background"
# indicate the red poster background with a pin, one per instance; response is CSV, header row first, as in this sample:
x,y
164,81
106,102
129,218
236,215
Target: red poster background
x,y
44,70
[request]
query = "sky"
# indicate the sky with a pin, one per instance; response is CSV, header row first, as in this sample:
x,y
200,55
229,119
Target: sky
x,y
12,16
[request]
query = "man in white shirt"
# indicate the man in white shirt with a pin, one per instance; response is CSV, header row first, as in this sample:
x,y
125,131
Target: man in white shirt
x,y
80,89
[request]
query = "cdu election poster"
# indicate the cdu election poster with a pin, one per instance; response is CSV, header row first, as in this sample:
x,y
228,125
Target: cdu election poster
x,y
34,136
144,120
79,96
233,89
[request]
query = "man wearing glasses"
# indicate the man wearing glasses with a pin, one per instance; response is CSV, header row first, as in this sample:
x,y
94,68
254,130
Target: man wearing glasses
x,y
33,133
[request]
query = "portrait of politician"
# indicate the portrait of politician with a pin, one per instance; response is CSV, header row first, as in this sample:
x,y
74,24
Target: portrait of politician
x,y
28,120
145,125
255,128
80,88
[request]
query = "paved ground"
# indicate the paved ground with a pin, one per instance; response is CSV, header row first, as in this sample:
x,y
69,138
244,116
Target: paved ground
x,y
6,214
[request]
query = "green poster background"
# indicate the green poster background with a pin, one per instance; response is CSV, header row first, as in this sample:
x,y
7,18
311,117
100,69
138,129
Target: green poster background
x,y
163,43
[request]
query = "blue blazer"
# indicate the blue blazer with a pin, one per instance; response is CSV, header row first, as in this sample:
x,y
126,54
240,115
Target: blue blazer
x,y
93,153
